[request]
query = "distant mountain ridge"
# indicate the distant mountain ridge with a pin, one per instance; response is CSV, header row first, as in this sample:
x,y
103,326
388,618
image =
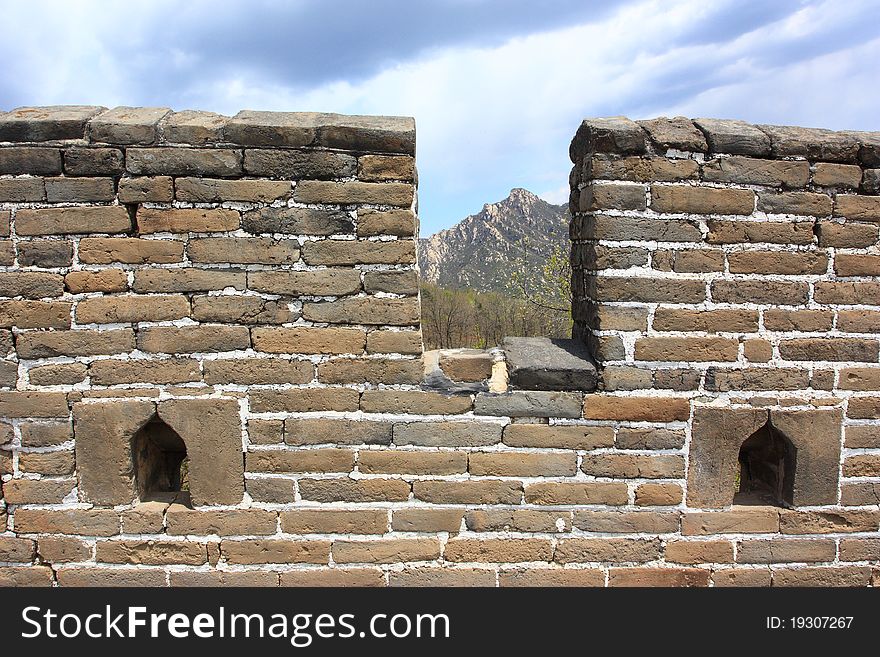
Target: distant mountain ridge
x,y
481,250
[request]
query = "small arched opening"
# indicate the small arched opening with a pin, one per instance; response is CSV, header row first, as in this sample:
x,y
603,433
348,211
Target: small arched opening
x,y
159,461
767,462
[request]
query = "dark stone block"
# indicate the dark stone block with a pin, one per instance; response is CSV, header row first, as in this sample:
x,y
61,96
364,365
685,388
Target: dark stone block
x,y
549,364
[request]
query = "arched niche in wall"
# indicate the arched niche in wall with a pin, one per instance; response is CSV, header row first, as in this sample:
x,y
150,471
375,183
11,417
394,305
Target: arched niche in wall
x,y
792,456
119,446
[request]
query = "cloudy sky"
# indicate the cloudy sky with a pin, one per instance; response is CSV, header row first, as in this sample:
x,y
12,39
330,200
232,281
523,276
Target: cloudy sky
x,y
497,87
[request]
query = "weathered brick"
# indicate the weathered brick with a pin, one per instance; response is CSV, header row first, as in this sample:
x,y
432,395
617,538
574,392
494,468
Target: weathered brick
x,y
722,380
859,378
265,432
555,577
761,292
414,401
93,161
25,576
61,374
364,310
13,549
323,282
97,522
522,464
354,490
306,460
386,551
798,320
67,221
847,292
307,340
31,160
296,165
46,463
74,343
106,280
166,371
155,553
634,228
189,279
80,190
622,318
452,577
249,250
192,339
850,235
613,196
50,253
666,466
131,309
524,520
529,403
826,174
695,552
642,169
62,549
863,408
848,264
857,208
304,400
862,465
822,576
862,435
95,576
777,262
144,518
858,549
591,492
34,314
334,521
184,161
229,522
483,491
498,550
607,135
178,220
616,550
240,309
102,250
645,409
799,203
558,436
701,200
216,578
756,171
146,189
859,493
782,550
650,290
349,193
675,319
386,167
658,494
337,577
687,349
358,252
257,371
812,143
771,232
206,190
316,431
34,434
37,491
401,223
255,551
22,190
275,490
858,321
373,370
830,349
427,520
748,520
394,282
446,434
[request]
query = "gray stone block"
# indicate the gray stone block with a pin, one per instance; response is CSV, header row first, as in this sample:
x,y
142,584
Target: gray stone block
x,y
549,364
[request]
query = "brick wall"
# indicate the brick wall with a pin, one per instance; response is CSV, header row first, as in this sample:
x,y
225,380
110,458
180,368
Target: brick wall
x,y
244,289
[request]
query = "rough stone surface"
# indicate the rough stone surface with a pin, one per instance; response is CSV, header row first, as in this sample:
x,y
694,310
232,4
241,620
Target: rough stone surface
x,y
545,364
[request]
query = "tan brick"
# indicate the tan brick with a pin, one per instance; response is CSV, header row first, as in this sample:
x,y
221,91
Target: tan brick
x,y
265,432
386,551
643,169
152,553
35,434
177,220
304,400
394,282
612,196
34,314
753,577
863,408
215,578
13,549
146,189
255,551
787,293
650,290
106,280
80,576
183,161
666,466
616,550
229,522
401,223
687,349
38,491
394,342
591,492
243,250
849,264
484,491
522,464
187,280
62,549
847,235
712,321
695,552
862,465
498,550
627,522
192,339
676,577
130,250
859,378
827,174
114,372
256,371
829,349
67,221
317,431
276,490
95,522
33,404
777,262
358,252
40,253
427,520
754,520
660,494
62,374
521,520
46,463
701,200
208,190
822,576
25,576
411,462
305,340
446,434
755,232
241,309
354,490
859,549
799,203
386,167
798,320
131,309
144,518
756,171
558,436
67,190
373,370
31,284
721,380
646,409
364,310
863,436
337,577
413,401
859,208
782,550
649,438
446,577
323,282
334,521
349,193
305,460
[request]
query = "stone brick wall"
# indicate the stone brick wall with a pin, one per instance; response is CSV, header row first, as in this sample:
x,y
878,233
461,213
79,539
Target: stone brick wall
x,y
212,371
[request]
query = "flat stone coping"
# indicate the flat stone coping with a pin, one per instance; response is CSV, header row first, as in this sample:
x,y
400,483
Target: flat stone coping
x,y
549,364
